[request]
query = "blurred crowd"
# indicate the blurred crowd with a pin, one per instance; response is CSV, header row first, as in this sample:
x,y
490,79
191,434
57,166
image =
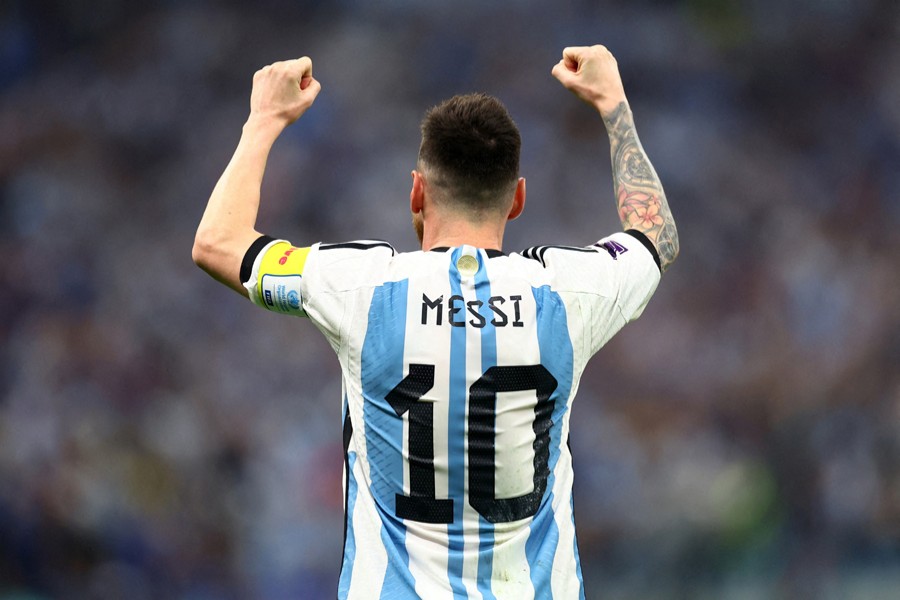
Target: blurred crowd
x,y
162,438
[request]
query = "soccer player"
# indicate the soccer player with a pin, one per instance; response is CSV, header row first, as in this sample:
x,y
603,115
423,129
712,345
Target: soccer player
x,y
459,362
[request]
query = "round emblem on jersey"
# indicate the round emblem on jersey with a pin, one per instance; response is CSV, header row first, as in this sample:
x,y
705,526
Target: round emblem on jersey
x,y
467,265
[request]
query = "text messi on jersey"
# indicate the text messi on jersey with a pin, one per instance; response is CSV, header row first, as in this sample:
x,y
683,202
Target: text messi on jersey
x,y
460,312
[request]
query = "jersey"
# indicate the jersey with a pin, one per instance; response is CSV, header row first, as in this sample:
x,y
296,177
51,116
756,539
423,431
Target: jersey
x,y
459,368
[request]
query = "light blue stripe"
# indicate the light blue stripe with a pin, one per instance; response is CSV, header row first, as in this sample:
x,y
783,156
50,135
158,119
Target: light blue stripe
x,y
350,542
556,356
381,370
456,442
488,360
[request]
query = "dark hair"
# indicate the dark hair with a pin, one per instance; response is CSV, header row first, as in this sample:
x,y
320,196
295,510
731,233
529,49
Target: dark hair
x,y
470,146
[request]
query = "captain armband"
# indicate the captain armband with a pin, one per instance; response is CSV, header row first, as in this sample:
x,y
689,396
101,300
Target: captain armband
x,y
274,281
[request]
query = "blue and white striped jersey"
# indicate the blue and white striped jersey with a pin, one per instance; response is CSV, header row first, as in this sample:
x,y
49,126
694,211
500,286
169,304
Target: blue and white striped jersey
x,y
459,370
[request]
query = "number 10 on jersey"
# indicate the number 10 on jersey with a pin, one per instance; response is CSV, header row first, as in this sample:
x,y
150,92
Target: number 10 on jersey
x,y
421,503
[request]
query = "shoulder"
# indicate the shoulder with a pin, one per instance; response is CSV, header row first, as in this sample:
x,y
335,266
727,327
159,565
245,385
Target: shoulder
x,y
538,253
362,252
609,267
608,250
358,246
349,265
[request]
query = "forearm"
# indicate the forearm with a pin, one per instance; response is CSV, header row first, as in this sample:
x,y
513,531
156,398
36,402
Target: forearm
x,y
228,225
640,198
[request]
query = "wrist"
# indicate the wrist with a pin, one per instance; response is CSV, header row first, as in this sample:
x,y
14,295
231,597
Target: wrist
x,y
612,111
264,126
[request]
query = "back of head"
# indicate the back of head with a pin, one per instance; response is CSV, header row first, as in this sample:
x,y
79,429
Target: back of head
x,y
470,153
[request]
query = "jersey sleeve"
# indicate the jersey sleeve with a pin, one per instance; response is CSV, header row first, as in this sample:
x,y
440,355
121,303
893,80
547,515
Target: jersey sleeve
x,y
614,278
632,265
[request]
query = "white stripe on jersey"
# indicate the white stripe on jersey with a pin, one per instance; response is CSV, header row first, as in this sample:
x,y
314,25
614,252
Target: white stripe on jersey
x,y
370,558
427,548
563,582
364,520
517,346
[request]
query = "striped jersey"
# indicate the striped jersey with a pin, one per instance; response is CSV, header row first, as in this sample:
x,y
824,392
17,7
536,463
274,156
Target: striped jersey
x,y
459,368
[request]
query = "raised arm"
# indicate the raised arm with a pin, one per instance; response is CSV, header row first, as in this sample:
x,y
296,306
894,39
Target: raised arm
x,y
282,92
593,75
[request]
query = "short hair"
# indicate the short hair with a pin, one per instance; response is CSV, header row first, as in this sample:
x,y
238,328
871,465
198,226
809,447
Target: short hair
x,y
470,147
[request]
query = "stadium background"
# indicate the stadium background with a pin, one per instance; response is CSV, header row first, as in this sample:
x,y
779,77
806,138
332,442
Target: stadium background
x,y
160,438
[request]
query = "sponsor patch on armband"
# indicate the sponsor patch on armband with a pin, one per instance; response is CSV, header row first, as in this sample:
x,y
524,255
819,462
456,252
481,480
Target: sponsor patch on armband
x,y
282,293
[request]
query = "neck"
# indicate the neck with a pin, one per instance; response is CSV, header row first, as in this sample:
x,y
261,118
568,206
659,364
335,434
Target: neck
x,y
459,234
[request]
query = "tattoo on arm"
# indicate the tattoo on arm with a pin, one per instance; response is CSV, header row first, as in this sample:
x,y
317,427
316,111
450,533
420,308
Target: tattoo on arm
x,y
639,194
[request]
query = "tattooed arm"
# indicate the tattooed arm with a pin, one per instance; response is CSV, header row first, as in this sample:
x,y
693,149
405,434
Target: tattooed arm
x,y
639,194
593,75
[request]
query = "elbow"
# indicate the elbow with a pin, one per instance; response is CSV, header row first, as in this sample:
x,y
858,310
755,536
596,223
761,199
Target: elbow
x,y
668,250
219,253
198,254
204,249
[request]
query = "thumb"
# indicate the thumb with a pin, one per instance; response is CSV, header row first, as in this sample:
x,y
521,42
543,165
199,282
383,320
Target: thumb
x,y
301,68
559,70
310,85
572,58
562,72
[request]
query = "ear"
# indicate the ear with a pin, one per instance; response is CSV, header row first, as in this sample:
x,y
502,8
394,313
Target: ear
x,y
417,193
518,204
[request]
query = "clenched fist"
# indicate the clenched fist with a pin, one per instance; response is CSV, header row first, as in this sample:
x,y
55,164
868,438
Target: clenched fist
x,y
592,74
283,91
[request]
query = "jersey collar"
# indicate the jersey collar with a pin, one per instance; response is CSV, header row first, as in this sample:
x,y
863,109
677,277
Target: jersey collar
x,y
491,252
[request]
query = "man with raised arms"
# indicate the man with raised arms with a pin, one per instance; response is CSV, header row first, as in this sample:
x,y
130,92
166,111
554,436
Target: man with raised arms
x,y
459,362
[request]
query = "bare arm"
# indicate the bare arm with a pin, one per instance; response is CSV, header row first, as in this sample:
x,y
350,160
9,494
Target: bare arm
x,y
593,75
282,92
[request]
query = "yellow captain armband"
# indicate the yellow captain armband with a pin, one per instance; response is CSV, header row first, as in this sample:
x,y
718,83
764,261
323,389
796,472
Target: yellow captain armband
x,y
277,278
